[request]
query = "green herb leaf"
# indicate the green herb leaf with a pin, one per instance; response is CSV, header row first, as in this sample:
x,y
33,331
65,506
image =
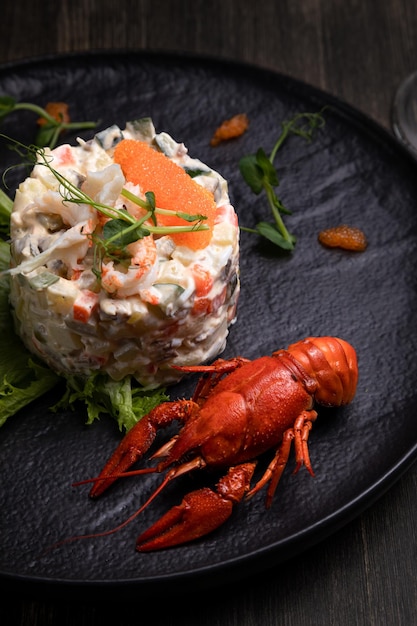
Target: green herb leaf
x,y
252,173
260,174
7,104
270,175
258,171
191,218
195,172
270,232
150,198
116,233
46,135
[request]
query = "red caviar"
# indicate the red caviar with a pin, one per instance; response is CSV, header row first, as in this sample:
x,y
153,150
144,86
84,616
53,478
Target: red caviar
x,y
346,237
57,110
229,129
174,189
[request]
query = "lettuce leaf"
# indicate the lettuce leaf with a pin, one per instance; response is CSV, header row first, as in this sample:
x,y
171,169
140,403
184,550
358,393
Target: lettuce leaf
x,y
22,378
123,400
6,205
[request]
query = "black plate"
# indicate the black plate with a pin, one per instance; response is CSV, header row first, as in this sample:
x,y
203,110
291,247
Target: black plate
x,y
355,173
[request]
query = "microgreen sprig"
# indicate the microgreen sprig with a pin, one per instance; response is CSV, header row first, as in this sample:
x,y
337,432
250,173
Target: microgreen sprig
x,y
72,193
260,174
122,227
49,132
187,217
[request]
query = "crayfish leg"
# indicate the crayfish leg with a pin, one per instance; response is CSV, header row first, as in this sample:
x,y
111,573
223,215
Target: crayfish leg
x,y
299,434
212,374
302,428
275,469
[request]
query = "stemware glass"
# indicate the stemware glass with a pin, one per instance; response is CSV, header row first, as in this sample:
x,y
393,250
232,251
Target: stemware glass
x,y
404,112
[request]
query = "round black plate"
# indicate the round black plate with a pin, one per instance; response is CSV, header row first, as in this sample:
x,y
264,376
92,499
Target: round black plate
x,y
354,172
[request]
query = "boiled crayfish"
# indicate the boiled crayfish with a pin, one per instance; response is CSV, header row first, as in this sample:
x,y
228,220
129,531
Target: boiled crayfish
x,y
240,410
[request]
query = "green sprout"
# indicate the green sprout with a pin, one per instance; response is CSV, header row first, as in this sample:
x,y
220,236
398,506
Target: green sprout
x,y
260,174
121,229
51,128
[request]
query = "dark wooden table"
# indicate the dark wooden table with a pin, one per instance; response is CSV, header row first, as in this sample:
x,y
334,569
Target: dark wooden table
x,y
366,573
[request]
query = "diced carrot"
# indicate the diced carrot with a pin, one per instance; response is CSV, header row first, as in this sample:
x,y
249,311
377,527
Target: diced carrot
x,y
174,189
76,273
201,306
202,279
206,306
229,129
84,305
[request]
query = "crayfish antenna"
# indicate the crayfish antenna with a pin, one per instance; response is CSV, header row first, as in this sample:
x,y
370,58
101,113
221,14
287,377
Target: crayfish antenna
x,y
170,475
96,479
116,529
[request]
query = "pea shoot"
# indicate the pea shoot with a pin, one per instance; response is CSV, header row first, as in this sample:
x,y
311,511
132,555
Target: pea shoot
x,y
52,120
260,174
121,228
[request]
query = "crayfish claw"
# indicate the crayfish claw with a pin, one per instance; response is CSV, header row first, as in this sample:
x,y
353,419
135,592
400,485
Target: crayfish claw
x,y
138,441
130,449
199,513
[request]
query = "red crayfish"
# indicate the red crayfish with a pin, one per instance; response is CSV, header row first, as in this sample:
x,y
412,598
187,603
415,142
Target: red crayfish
x,y
240,410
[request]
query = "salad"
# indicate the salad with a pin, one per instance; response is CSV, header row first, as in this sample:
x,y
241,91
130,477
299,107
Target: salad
x,y
124,261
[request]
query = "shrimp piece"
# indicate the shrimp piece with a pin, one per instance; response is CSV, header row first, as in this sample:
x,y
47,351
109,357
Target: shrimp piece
x,y
140,274
144,254
63,156
226,214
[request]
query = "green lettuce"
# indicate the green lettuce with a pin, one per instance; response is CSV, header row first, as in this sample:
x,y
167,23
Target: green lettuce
x,y
22,378
123,400
6,205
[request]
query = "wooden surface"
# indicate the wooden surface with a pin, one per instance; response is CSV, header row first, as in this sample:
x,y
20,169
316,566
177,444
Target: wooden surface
x,y
366,573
